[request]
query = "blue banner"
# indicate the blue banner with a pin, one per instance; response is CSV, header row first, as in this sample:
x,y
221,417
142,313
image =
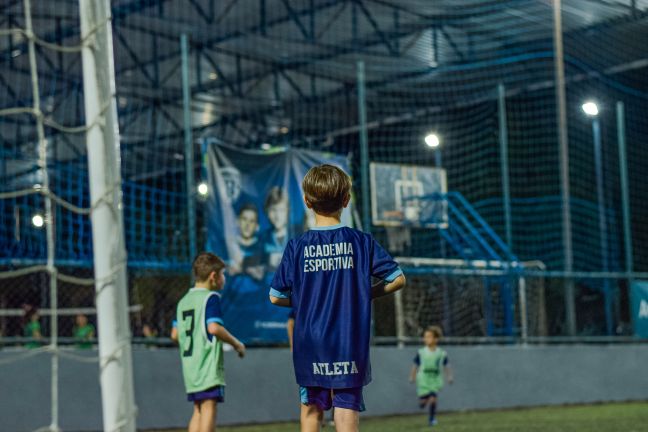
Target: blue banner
x,y
640,308
254,207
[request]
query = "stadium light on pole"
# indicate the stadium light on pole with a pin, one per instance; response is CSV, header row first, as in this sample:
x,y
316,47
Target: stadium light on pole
x,y
203,189
38,221
591,109
433,141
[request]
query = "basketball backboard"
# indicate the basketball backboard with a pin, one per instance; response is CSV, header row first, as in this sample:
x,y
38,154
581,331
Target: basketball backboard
x,y
396,192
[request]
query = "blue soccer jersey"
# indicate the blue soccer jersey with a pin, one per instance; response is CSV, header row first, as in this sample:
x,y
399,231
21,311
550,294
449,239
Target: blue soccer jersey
x,y
327,275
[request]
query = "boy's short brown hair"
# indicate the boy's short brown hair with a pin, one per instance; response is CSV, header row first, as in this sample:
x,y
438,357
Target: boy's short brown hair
x,y
206,263
326,188
435,330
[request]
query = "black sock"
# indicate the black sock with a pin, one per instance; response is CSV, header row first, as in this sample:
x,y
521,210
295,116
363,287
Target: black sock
x,y
432,408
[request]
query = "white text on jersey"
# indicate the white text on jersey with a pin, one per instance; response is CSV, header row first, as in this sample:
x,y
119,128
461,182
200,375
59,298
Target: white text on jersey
x,y
335,368
327,257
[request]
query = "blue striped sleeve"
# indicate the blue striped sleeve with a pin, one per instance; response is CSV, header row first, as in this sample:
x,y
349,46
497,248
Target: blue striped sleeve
x,y
392,277
215,320
213,310
278,294
383,265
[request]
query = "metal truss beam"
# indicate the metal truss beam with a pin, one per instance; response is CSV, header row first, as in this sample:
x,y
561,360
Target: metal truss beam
x,y
297,20
452,43
208,17
381,35
221,75
140,65
118,13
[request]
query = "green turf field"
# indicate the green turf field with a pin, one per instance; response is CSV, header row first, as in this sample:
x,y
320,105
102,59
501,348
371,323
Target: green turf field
x,y
630,417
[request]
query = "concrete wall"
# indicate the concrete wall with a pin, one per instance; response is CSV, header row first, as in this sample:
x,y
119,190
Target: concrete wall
x,y
262,388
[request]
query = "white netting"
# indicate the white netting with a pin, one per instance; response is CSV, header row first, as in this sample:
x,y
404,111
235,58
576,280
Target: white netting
x,y
40,202
473,300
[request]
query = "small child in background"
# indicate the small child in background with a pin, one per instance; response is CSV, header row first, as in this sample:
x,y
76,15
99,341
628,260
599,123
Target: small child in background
x,y
83,332
32,327
430,364
150,334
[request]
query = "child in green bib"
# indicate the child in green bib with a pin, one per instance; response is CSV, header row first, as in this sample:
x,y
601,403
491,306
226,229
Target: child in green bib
x,y
200,332
32,327
430,364
83,331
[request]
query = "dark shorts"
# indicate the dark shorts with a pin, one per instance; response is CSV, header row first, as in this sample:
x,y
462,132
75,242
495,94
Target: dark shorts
x,y
217,393
325,398
423,399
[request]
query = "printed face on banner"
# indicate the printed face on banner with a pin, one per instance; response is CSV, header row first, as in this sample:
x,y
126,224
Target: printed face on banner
x,y
278,215
232,180
248,222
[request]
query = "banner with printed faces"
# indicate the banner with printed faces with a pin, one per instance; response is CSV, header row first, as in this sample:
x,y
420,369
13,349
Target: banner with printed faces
x,y
254,206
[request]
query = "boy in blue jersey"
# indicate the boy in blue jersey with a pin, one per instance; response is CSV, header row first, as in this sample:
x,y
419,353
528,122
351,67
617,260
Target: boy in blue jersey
x,y
325,276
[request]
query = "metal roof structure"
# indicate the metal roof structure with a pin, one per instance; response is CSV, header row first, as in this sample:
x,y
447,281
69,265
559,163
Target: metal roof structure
x,y
259,68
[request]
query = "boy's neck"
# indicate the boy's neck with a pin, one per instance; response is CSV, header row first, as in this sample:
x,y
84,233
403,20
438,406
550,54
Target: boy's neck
x,y
327,220
432,347
204,285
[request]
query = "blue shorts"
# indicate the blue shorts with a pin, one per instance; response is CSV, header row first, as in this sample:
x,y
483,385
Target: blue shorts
x,y
423,399
325,398
217,393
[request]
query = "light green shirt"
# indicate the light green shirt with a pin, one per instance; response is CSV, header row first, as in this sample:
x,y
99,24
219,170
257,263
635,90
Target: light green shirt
x,y
429,377
202,358
32,328
83,336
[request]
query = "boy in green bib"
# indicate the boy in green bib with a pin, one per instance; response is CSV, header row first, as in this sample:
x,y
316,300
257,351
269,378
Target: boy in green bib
x,y
200,332
430,364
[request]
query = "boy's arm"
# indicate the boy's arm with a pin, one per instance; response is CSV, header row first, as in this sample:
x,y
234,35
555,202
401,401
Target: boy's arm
x,y
413,373
290,329
385,269
282,281
448,373
415,367
221,333
384,288
280,301
174,331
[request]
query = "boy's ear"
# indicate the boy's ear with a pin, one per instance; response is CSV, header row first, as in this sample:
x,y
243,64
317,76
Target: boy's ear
x,y
346,201
308,204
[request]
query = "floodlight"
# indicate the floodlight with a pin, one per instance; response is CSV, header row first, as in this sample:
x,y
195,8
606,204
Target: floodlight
x,y
590,108
38,221
432,140
203,189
